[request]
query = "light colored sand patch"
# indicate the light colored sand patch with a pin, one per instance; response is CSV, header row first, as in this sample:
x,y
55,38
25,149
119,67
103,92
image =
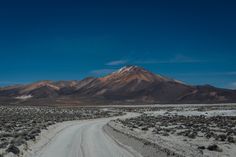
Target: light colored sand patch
x,y
188,112
181,145
24,97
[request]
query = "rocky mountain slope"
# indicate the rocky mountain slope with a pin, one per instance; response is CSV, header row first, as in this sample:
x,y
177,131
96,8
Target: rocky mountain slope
x,y
128,85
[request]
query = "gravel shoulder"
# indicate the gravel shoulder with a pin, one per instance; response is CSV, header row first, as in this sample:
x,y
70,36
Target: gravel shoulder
x,y
145,147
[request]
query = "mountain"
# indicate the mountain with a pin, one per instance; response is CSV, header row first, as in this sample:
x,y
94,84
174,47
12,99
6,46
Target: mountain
x,y
128,85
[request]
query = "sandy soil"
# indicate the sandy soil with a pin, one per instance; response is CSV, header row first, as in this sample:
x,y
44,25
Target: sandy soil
x,y
143,146
185,131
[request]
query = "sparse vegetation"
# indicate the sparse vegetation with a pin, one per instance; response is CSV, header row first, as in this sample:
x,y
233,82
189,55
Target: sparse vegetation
x,y
22,124
201,130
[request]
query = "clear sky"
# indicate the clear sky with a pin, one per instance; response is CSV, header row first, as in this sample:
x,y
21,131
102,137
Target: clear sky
x,y
193,41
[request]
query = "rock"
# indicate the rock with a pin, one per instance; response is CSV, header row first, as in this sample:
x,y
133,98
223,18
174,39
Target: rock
x,y
192,135
231,139
18,141
214,147
221,137
209,134
13,149
35,131
144,128
165,134
3,145
201,147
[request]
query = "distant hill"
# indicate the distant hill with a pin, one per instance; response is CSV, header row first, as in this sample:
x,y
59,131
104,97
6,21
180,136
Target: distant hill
x,y
128,85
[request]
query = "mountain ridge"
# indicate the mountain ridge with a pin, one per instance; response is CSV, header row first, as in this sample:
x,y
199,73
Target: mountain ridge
x,y
128,85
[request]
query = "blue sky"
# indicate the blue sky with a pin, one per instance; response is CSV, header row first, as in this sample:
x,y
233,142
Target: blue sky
x,y
193,41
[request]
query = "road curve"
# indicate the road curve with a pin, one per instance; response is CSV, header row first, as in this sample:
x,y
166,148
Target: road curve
x,y
85,139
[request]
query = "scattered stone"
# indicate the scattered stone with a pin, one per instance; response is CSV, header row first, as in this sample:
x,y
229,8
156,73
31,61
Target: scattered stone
x,y
3,145
214,147
13,149
221,137
201,147
24,123
192,135
231,139
165,134
144,128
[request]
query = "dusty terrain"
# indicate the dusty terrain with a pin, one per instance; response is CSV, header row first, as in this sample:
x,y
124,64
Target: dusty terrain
x,y
185,130
21,125
149,131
